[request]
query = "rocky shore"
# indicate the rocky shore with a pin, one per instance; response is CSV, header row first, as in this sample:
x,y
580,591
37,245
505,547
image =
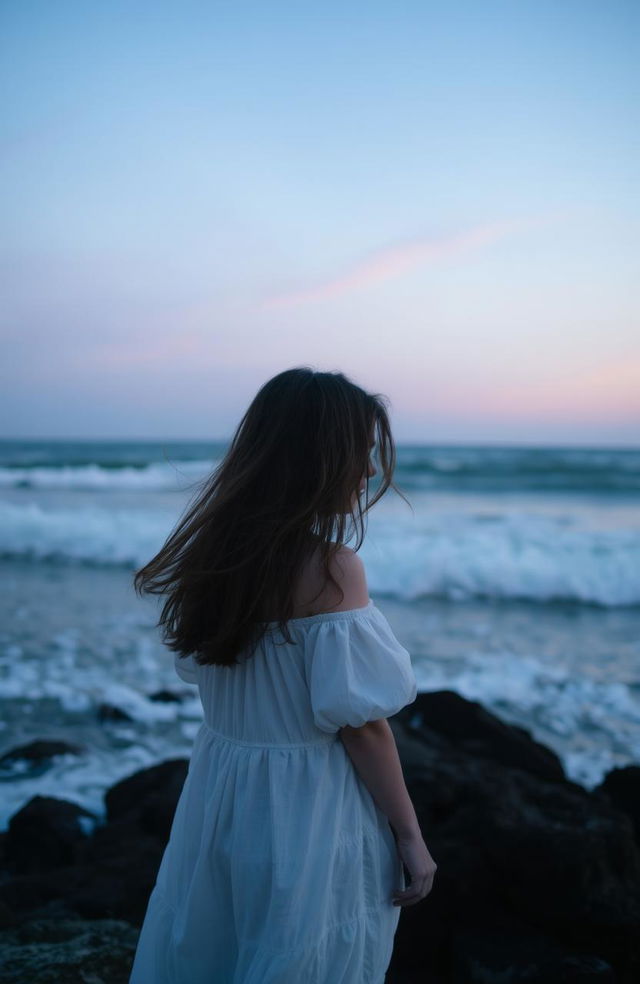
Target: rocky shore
x,y
538,879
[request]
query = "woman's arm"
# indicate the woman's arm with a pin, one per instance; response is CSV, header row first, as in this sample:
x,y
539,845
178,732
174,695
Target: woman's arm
x,y
373,751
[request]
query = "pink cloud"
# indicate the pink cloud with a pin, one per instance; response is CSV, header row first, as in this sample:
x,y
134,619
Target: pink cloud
x,y
391,261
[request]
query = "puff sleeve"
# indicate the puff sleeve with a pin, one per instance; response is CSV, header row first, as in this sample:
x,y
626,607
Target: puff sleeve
x,y
359,672
185,668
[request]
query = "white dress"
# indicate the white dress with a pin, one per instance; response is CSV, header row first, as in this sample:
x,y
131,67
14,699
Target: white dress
x,y
280,867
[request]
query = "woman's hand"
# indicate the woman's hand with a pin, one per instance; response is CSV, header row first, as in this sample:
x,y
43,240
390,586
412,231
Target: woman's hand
x,y
373,751
421,867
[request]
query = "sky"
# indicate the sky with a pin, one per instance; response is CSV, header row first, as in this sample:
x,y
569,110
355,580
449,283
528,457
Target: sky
x,y
438,199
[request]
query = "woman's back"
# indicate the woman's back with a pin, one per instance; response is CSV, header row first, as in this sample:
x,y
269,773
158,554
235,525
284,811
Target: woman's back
x,y
258,882
281,866
278,693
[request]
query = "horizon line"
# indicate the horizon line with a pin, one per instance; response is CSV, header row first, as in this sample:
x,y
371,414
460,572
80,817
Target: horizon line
x,y
398,442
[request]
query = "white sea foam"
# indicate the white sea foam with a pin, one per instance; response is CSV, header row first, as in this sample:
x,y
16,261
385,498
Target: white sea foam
x,y
517,555
593,725
80,688
70,640
87,534
456,556
154,477
66,674
565,711
85,779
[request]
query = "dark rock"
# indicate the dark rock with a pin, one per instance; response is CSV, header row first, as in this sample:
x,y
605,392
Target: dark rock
x,y
149,796
109,712
514,848
46,833
35,894
114,870
7,916
35,757
481,734
41,748
120,868
622,787
165,697
538,879
112,886
68,952
517,959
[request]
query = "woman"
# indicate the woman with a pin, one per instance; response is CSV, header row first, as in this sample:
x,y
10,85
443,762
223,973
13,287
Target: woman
x,y
285,859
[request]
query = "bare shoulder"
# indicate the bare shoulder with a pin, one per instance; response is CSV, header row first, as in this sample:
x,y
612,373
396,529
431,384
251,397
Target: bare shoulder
x,y
346,564
315,595
348,570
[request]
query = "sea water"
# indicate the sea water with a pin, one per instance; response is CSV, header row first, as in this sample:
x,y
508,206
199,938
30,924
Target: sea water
x,y
513,578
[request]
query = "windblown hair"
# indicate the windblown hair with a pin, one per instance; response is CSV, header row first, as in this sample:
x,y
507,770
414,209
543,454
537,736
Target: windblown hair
x,y
284,489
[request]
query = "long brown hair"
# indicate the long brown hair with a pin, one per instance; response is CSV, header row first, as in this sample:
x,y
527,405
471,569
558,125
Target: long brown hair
x,y
284,488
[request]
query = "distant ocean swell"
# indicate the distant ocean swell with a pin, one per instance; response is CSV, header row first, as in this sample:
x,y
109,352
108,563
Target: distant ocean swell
x,y
503,556
452,469
106,478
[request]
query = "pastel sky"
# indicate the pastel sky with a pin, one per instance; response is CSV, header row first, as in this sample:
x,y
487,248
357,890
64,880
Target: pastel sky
x,y
439,199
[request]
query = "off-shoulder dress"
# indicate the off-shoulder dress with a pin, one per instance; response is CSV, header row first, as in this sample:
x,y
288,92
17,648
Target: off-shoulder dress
x,y
280,866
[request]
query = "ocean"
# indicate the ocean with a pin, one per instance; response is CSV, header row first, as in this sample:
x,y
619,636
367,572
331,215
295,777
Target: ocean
x,y
513,578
